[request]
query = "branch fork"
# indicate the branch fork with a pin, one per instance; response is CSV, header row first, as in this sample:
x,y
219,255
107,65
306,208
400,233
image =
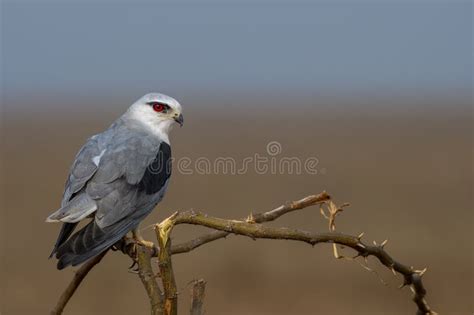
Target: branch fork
x,y
164,301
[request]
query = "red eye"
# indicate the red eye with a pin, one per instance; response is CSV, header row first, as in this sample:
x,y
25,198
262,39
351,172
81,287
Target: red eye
x,y
158,107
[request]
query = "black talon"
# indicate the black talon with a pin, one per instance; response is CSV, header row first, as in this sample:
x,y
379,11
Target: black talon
x,y
134,263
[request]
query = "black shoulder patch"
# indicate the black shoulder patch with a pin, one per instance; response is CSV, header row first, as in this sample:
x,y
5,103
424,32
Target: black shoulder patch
x,y
158,172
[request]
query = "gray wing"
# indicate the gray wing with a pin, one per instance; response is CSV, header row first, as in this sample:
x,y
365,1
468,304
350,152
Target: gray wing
x,y
102,167
116,184
76,206
83,168
129,181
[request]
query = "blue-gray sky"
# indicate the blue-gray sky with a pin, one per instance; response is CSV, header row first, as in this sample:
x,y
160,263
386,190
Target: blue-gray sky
x,y
109,47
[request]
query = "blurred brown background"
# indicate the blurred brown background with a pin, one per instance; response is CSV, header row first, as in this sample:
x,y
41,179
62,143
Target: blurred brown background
x,y
379,91
407,174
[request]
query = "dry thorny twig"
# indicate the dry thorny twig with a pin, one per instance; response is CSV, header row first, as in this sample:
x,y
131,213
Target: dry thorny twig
x,y
164,301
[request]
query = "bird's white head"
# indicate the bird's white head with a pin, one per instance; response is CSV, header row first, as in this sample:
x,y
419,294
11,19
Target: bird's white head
x,y
157,112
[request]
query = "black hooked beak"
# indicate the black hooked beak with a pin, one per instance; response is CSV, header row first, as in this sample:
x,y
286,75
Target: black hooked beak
x,y
180,120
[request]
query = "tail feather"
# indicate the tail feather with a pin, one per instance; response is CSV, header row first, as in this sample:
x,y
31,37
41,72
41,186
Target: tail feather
x,y
91,241
74,210
66,231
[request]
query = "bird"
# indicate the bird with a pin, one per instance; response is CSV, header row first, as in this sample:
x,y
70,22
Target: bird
x,y
116,180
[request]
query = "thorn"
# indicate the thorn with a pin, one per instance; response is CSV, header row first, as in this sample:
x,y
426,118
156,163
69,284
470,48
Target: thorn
x,y
323,213
132,265
375,243
422,272
336,254
383,243
393,270
250,218
360,236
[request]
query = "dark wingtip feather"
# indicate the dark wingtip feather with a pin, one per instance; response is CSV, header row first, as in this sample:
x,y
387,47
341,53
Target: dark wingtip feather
x,y
65,260
52,253
62,264
91,241
66,231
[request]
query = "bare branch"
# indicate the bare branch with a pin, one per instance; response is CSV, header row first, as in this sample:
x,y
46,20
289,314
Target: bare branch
x,y
188,246
255,230
197,297
80,274
251,227
148,277
253,218
257,218
170,303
